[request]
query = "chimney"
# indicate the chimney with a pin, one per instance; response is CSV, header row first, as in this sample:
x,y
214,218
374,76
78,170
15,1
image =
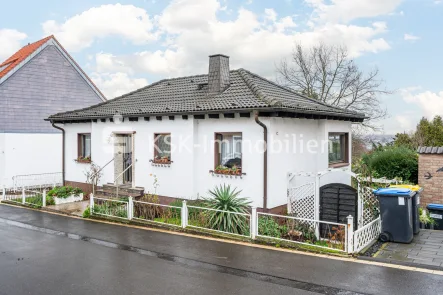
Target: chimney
x,y
218,78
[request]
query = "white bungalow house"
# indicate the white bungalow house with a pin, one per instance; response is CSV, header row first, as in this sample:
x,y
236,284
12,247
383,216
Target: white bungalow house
x,y
193,133
38,80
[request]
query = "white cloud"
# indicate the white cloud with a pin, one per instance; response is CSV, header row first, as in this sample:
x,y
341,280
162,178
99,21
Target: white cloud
x,y
81,30
116,84
182,15
253,42
410,37
404,122
347,10
10,41
430,102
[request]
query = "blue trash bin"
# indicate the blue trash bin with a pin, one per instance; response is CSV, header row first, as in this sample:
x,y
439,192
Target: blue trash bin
x,y
396,214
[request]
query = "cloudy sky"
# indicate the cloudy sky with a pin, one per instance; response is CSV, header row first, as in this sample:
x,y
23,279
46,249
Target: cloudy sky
x,y
125,45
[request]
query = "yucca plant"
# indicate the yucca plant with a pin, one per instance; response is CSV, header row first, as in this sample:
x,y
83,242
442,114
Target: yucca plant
x,y
227,199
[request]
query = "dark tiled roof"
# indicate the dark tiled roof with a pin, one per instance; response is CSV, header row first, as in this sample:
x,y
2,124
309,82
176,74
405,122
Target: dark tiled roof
x,y
189,95
430,150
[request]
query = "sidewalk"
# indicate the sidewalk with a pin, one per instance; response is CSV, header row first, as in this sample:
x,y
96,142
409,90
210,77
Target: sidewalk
x,y
358,277
426,248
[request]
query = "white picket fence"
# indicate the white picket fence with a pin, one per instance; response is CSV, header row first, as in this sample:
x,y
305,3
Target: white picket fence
x,y
24,196
315,233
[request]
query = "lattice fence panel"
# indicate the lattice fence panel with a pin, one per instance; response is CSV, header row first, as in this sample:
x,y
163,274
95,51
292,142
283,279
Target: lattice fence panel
x,y
302,201
371,206
364,236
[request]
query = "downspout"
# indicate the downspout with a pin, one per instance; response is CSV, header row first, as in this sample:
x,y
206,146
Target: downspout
x,y
63,150
265,162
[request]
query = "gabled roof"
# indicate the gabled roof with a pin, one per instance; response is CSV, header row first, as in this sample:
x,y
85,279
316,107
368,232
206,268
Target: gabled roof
x,y
26,53
189,95
20,55
430,150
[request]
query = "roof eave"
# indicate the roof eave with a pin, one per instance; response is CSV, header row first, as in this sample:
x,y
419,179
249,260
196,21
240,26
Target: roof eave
x,y
278,111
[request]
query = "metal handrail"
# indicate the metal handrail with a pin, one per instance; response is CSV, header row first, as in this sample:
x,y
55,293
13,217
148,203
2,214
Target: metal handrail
x,y
121,174
100,170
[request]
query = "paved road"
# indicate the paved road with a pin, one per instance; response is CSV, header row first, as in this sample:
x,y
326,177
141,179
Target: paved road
x,y
46,254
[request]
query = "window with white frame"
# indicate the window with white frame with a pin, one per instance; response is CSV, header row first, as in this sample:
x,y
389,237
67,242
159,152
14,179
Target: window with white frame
x,y
338,148
228,150
84,147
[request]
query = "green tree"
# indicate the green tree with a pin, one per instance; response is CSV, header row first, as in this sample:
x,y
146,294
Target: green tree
x,y
427,133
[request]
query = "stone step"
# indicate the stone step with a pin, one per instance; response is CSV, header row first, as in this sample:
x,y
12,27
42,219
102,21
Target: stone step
x,y
113,193
123,189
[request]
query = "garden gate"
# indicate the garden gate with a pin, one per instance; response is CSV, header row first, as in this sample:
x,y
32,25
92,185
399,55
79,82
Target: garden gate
x,y
337,202
324,196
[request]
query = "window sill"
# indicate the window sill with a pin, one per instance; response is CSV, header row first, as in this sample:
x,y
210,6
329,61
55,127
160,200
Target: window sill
x,y
338,165
218,174
83,161
161,163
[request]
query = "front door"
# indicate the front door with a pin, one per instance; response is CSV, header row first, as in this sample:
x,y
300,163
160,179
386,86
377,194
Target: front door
x,y
127,158
123,158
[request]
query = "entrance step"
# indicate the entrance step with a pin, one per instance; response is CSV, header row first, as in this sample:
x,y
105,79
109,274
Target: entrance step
x,y
110,190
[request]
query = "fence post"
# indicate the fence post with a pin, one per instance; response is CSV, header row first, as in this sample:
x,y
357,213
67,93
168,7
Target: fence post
x,y
254,223
317,204
130,204
350,242
91,203
44,198
23,196
3,193
184,214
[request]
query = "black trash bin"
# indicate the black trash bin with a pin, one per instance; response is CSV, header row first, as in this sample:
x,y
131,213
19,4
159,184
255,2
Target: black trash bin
x,y
415,205
396,214
436,212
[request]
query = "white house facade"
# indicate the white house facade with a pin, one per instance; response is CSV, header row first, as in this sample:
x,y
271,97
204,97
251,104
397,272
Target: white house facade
x,y
179,138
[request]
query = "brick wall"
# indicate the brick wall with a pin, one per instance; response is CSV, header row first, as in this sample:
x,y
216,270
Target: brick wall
x,y
433,186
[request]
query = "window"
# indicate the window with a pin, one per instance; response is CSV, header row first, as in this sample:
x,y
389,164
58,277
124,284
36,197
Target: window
x,y
84,147
228,151
162,148
338,149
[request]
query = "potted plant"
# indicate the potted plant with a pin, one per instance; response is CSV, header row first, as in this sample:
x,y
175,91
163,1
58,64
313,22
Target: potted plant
x,y
219,169
426,221
65,194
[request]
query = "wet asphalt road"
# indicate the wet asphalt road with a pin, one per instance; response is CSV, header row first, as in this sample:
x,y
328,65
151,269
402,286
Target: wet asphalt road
x,y
42,253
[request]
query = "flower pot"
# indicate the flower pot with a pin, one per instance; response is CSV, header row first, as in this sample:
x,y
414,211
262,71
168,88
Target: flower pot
x,y
70,199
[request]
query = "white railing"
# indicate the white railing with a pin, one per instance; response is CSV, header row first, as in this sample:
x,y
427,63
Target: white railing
x,y
24,196
316,233
153,212
38,181
221,221
365,235
110,207
12,195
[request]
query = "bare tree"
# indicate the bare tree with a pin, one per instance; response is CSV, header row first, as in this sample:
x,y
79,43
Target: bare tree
x,y
328,74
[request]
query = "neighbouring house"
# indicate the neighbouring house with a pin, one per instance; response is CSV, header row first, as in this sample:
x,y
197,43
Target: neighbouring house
x,y
181,137
430,174
38,80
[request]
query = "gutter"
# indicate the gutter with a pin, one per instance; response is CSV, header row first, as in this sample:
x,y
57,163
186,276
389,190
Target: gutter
x,y
265,162
63,149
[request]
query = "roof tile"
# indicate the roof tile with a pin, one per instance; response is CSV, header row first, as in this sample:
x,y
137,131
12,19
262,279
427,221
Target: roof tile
x,y
189,95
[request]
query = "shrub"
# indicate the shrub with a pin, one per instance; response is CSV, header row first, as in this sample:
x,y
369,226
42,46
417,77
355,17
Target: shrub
x,y
392,162
87,213
267,226
227,199
64,192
